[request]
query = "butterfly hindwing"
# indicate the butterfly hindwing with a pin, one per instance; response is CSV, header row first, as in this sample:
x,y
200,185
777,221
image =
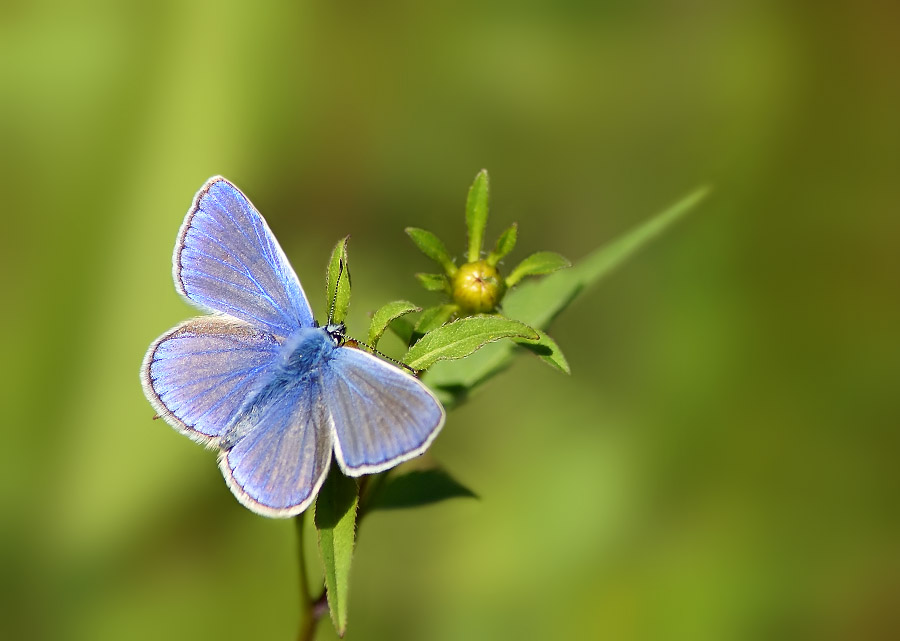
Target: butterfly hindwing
x,y
279,462
227,260
198,374
382,415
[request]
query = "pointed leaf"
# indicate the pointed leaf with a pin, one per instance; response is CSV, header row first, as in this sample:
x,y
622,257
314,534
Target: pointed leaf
x,y
537,263
434,282
477,214
547,350
417,488
538,302
385,315
462,337
337,283
335,520
434,317
505,244
431,246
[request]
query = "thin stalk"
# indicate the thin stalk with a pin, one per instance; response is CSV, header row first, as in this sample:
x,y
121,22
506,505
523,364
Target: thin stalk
x,y
309,616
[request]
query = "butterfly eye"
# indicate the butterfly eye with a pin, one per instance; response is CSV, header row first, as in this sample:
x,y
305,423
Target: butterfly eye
x,y
337,332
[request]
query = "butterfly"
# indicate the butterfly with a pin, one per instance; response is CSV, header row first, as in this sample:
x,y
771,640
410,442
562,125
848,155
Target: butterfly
x,y
260,380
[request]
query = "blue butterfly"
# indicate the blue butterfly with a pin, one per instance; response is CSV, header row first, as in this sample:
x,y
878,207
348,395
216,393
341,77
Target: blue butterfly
x,y
261,381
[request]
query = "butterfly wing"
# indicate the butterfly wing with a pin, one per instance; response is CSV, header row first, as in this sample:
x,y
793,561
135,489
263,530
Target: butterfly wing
x,y
199,373
278,463
227,260
382,415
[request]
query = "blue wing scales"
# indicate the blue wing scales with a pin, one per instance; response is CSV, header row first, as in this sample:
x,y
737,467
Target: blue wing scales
x,y
227,260
198,374
277,465
382,415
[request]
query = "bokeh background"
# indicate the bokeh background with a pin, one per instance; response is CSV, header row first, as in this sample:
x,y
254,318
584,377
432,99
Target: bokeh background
x,y
721,464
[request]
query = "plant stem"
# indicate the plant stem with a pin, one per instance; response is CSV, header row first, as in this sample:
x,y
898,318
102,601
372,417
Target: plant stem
x,y
309,616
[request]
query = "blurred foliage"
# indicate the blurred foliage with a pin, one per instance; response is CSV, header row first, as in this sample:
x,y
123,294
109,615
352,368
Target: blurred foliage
x,y
720,464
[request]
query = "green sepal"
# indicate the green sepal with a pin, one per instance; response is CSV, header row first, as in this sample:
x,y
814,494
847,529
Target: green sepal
x,y
335,520
337,282
505,244
434,282
536,264
477,214
431,246
385,315
462,337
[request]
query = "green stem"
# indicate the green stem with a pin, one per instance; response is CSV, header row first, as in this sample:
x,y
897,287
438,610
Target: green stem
x,y
309,616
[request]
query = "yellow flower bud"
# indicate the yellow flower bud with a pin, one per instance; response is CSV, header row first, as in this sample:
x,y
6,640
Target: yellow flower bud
x,y
477,287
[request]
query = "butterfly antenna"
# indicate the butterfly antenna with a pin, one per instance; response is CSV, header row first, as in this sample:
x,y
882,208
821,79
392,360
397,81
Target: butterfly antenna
x,y
353,341
414,372
337,288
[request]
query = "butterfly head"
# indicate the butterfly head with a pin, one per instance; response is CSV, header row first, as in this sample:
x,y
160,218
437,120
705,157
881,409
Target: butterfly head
x,y
337,332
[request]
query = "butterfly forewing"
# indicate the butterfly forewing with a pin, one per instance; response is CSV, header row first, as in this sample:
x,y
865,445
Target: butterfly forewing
x,y
198,374
382,415
227,260
278,464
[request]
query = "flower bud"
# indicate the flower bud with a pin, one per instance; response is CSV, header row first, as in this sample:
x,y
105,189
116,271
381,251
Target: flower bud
x,y
477,287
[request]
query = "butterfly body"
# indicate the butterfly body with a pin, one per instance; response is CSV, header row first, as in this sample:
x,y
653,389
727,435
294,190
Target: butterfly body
x,y
306,353
300,363
259,380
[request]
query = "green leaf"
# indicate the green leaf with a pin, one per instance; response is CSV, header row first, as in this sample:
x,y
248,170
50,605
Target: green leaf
x,y
462,337
547,350
337,283
505,244
403,329
431,246
538,302
417,488
434,282
477,214
336,524
537,263
385,315
434,317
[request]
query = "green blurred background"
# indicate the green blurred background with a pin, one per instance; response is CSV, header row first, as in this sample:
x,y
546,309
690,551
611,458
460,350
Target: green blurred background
x,y
720,465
